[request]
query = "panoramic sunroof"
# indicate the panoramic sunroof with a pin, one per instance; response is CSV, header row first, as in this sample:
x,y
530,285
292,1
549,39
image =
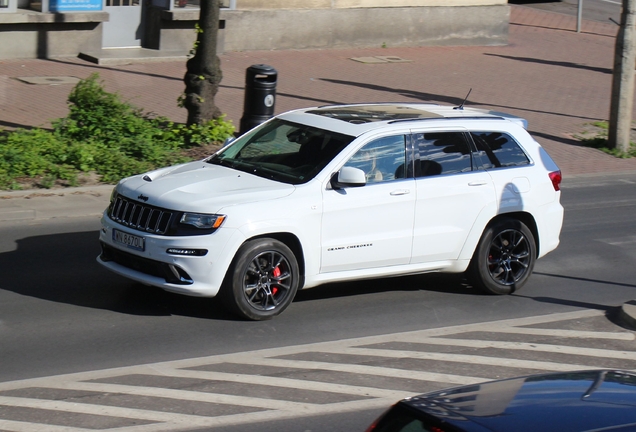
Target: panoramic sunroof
x,y
371,113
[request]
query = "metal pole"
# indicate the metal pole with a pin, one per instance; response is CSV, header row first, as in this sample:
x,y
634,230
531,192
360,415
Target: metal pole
x,y
578,17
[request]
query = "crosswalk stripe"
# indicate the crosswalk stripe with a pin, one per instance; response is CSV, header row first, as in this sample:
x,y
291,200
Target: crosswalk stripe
x,y
170,421
582,351
280,382
471,359
370,370
565,333
101,410
186,395
15,426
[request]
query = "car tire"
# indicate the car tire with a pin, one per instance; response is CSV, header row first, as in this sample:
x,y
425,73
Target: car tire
x,y
504,258
262,280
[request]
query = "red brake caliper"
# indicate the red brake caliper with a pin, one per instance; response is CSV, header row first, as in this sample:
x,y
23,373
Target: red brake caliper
x,y
276,274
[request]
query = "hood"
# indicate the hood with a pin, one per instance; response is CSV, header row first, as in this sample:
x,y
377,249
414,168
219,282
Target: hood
x,y
201,187
573,401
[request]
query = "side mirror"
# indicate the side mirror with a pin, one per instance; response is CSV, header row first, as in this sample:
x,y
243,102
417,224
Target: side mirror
x,y
348,177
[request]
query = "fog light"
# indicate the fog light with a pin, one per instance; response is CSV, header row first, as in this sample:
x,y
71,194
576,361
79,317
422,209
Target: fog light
x,y
184,251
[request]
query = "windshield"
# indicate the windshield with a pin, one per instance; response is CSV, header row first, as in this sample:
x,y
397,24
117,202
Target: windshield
x,y
283,151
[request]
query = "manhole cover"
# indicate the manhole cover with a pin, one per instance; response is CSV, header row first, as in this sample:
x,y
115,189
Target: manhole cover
x,y
368,60
49,80
380,59
393,59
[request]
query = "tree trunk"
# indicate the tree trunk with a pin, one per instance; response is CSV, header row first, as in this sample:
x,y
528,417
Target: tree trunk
x,y
621,105
204,69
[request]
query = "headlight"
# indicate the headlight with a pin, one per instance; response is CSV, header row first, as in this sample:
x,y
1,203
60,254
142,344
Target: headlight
x,y
202,221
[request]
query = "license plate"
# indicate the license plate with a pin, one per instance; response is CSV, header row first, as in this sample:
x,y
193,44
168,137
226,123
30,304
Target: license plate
x,y
129,240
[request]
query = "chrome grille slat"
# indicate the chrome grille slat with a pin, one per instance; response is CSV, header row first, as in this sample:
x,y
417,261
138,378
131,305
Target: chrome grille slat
x,y
150,215
117,207
125,215
140,216
158,220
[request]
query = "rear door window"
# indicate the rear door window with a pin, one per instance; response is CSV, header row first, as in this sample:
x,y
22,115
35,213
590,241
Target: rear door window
x,y
498,150
441,153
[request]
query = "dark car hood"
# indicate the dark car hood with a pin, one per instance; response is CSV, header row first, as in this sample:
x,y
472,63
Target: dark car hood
x,y
577,401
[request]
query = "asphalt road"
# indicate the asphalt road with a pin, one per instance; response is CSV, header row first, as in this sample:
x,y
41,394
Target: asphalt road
x,y
60,312
595,10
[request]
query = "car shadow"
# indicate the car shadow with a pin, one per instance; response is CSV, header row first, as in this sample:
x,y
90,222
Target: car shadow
x,y
62,268
612,313
431,282
553,63
441,98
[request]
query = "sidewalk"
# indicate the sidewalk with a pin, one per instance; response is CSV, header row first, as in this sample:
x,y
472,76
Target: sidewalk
x,y
556,78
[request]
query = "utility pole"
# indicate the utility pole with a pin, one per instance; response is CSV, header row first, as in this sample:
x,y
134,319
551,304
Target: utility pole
x,y
622,102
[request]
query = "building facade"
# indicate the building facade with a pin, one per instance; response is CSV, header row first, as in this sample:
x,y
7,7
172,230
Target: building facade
x,y
65,28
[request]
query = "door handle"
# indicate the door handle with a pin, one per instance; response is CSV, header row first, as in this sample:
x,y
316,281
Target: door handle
x,y
400,192
476,183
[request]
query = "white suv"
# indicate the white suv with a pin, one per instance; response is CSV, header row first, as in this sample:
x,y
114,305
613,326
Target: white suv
x,y
341,193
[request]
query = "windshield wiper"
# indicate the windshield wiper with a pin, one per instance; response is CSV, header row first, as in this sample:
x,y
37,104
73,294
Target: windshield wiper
x,y
222,161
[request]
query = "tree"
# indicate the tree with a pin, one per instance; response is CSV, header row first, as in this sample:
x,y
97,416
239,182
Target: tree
x,y
203,73
621,105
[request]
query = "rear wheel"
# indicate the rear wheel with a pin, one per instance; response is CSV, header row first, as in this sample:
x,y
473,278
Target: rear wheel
x,y
504,258
262,280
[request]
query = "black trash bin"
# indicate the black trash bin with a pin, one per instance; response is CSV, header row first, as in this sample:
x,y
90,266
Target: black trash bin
x,y
260,96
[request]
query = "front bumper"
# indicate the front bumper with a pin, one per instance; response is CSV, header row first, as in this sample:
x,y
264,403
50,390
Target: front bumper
x,y
199,276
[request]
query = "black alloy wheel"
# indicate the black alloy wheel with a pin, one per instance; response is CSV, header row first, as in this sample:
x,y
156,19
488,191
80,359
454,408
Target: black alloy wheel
x,y
262,280
504,258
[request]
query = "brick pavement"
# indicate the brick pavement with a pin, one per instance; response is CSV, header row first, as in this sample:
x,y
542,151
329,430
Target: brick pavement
x,y
556,78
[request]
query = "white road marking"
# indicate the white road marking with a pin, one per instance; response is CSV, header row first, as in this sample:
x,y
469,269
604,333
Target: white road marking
x,y
566,333
370,370
273,409
588,352
470,359
281,382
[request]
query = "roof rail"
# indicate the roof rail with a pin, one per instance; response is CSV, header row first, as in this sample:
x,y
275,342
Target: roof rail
x,y
447,118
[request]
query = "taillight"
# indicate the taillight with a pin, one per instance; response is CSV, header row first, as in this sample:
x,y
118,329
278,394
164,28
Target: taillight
x,y
373,426
556,178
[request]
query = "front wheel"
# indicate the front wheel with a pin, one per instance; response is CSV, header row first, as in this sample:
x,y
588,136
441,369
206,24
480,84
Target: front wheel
x,y
262,280
504,258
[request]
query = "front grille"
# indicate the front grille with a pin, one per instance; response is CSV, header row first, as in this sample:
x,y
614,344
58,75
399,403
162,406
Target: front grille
x,y
169,272
140,216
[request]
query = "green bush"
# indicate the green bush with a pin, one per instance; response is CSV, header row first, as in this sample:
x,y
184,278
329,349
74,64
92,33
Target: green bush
x,y
34,153
101,134
595,136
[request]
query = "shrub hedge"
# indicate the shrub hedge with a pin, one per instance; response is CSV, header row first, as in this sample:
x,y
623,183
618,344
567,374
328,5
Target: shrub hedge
x,y
101,134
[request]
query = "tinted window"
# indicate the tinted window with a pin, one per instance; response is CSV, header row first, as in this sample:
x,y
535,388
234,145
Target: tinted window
x,y
442,153
381,159
498,150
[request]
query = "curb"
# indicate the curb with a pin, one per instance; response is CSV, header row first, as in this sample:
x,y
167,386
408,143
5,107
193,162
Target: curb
x,y
37,193
627,314
40,204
